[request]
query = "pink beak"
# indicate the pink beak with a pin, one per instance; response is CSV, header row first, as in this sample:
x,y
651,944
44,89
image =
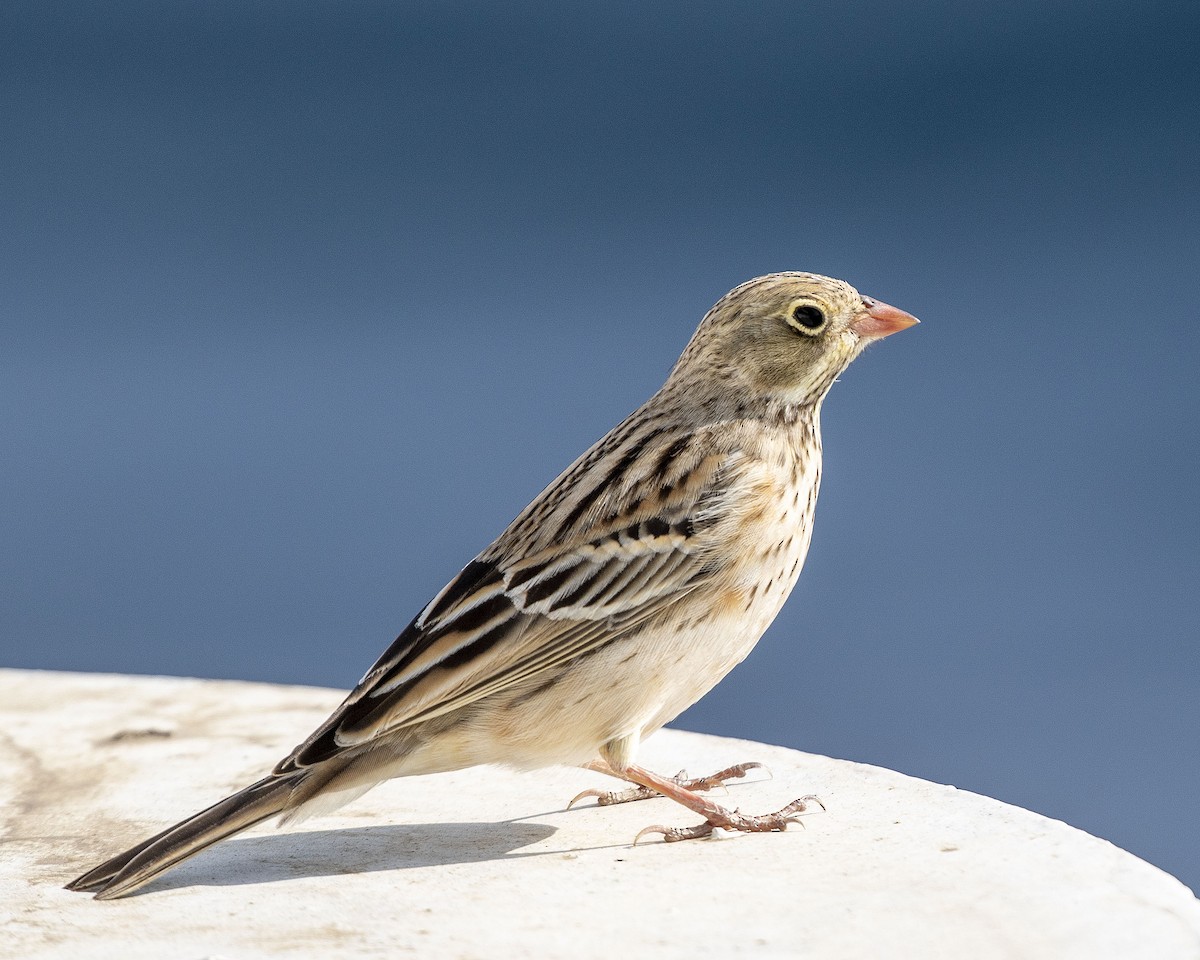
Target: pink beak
x,y
881,320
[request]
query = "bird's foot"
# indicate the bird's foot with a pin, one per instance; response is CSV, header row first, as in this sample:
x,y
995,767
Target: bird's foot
x,y
720,818
605,798
715,816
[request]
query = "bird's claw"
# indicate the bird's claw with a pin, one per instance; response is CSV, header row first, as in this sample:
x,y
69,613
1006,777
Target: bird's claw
x,y
605,798
672,834
736,772
735,821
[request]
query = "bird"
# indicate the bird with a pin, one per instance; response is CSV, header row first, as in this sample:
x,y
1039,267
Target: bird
x,y
626,590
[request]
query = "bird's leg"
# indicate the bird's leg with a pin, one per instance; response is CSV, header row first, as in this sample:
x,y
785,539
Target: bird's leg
x,y
714,815
605,798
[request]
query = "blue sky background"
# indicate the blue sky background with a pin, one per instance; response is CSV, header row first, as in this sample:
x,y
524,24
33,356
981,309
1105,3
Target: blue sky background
x,y
301,303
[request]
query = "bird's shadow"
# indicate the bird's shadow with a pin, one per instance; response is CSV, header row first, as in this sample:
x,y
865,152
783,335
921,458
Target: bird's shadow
x,y
323,853
272,858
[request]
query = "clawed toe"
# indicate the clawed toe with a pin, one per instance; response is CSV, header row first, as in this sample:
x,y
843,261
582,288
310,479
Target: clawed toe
x,y
672,834
801,805
720,818
718,779
606,798
687,792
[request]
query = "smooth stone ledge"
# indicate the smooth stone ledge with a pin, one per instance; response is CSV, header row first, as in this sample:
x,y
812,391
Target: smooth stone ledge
x,y
487,863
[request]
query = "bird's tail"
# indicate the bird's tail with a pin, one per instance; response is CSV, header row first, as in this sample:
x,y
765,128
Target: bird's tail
x,y
125,873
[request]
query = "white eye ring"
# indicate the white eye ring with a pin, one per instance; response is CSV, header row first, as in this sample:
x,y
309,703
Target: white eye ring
x,y
806,318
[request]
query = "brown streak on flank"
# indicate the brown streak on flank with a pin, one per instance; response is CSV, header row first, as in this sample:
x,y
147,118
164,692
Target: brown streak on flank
x,y
761,499
729,602
754,517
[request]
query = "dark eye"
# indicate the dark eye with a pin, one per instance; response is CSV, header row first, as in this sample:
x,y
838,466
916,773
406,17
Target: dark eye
x,y
808,318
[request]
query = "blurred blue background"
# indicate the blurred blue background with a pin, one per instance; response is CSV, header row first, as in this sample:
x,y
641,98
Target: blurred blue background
x,y
301,303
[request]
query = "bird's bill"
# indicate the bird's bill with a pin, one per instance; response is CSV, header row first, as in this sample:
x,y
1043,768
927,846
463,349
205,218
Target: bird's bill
x,y
881,320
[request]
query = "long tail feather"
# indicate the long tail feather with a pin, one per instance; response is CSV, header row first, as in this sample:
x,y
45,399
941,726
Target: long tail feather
x,y
140,864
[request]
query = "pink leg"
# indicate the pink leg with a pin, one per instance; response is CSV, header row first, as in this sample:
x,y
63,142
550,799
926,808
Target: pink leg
x,y
606,798
714,815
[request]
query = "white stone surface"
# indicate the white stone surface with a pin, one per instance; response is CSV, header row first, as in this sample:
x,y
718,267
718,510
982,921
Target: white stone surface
x,y
487,863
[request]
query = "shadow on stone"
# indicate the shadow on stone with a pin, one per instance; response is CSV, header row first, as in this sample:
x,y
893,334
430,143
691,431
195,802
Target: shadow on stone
x,y
322,853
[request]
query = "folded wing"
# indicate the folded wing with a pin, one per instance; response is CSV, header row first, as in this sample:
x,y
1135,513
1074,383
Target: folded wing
x,y
510,614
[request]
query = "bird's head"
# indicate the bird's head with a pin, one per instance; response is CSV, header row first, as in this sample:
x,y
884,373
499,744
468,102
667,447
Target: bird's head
x,y
785,337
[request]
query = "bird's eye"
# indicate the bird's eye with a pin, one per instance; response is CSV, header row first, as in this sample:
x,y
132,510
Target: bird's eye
x,y
806,318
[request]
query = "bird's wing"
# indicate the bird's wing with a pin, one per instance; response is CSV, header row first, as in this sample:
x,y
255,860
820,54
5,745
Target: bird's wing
x,y
511,615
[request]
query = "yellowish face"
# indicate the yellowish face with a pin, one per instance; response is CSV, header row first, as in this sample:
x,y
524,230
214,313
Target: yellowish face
x,y
787,336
